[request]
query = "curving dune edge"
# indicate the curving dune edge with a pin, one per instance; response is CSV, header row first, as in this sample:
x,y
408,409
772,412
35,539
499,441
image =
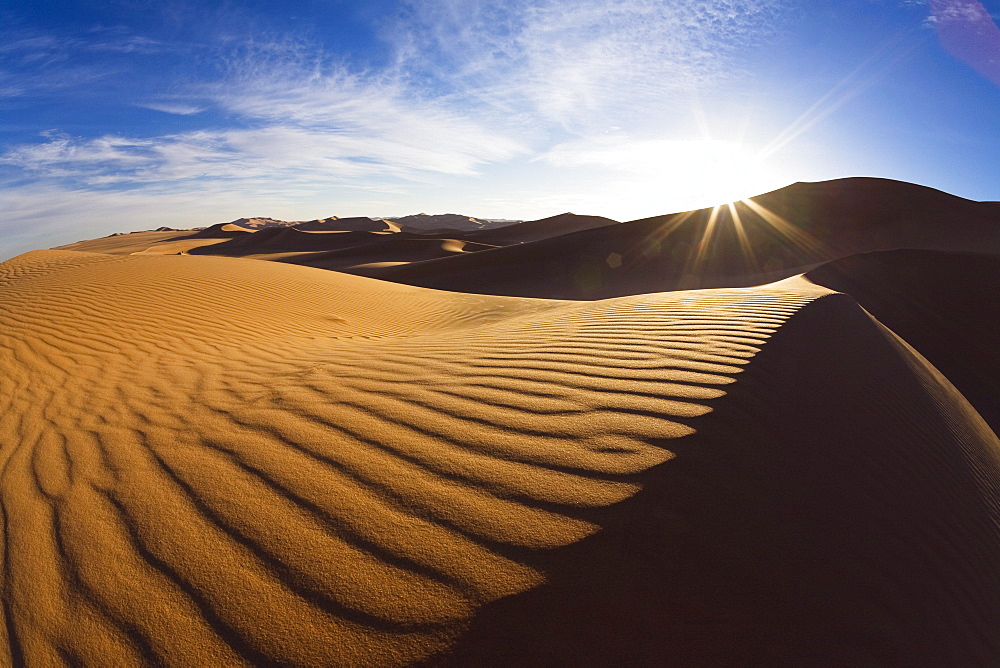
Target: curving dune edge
x,y
219,461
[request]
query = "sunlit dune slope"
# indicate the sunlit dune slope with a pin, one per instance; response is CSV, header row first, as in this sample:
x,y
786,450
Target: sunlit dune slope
x,y
126,244
218,461
147,243
397,248
767,238
427,223
340,244
839,507
340,250
222,231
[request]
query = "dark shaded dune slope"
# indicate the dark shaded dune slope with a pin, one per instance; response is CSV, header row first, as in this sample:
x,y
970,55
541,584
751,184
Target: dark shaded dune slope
x,y
222,231
355,224
289,239
399,247
853,518
881,214
338,250
946,305
536,230
423,223
770,237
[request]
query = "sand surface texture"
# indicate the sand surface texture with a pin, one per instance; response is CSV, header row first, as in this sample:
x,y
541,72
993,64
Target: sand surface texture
x,y
224,460
221,461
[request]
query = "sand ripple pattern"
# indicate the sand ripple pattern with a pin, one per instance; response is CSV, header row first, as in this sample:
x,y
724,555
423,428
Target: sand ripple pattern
x,y
211,461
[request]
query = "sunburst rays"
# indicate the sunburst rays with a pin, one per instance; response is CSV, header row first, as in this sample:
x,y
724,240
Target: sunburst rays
x,y
739,238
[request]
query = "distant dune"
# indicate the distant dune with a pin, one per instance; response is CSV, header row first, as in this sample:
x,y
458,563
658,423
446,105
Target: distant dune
x,y
536,230
559,452
357,224
423,223
774,236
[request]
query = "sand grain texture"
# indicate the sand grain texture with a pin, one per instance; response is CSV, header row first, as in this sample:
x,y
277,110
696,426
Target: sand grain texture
x,y
213,460
221,461
840,506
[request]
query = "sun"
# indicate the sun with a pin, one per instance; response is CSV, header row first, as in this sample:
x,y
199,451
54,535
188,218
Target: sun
x,y
639,177
700,173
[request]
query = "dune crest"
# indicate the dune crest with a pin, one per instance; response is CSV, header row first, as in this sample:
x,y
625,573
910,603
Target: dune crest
x,y
840,506
207,471
213,460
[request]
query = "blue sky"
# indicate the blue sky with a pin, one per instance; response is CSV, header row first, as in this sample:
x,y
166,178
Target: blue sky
x,y
130,114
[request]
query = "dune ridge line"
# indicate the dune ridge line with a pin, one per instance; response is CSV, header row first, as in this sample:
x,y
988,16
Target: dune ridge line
x,y
217,460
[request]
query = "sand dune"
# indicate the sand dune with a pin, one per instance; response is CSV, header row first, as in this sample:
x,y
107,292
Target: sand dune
x,y
946,305
767,238
396,249
283,239
838,507
423,223
536,230
259,222
126,244
325,244
356,224
213,460
223,231
220,461
760,240
349,251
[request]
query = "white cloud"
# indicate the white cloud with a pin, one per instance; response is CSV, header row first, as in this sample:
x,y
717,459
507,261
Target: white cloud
x,y
303,121
577,63
126,44
370,117
276,153
475,85
177,108
958,11
476,82
42,64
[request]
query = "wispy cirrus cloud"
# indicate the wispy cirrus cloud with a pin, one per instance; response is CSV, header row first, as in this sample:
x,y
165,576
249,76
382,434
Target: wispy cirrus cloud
x,y
176,108
295,117
276,153
473,83
957,11
396,122
469,86
967,30
34,64
579,64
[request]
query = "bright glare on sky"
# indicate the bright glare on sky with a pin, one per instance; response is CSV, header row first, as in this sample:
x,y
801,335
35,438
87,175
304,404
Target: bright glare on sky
x,y
122,115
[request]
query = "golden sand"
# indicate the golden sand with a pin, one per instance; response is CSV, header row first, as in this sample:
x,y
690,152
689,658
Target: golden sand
x,y
219,461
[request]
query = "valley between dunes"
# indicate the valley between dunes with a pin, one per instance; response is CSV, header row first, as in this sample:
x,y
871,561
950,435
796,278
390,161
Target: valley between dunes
x,y
215,461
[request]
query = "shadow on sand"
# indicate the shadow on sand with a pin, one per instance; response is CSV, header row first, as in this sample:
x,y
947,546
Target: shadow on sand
x,y
838,507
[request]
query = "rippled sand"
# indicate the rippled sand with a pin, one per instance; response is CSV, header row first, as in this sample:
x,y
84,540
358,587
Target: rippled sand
x,y
218,461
